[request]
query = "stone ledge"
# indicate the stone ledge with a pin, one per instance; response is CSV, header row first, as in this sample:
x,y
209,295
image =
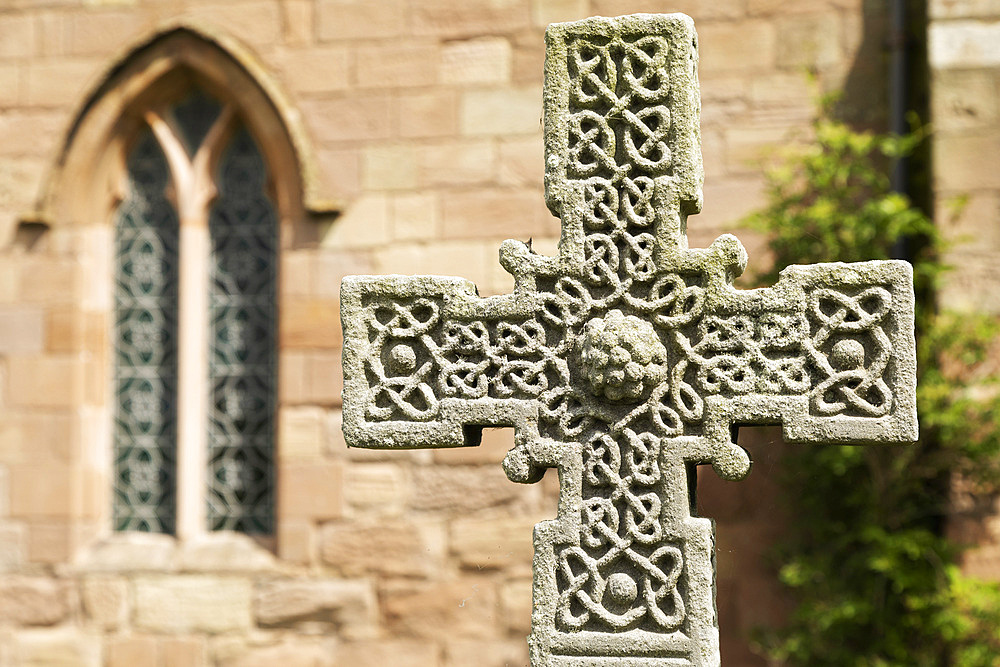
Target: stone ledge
x,y
223,552
129,552
153,552
954,44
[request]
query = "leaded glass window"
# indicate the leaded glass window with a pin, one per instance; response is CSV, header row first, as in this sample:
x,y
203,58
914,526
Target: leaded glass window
x,y
229,217
243,229
195,116
146,238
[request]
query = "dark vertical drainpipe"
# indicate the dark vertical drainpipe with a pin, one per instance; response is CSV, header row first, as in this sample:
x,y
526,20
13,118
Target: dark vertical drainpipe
x,y
898,71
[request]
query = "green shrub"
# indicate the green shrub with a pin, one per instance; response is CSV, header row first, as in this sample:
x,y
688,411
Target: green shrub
x,y
873,575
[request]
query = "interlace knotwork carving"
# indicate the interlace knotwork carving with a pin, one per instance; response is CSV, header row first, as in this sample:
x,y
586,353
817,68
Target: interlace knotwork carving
x,y
419,359
622,358
401,370
854,373
618,132
624,361
618,94
513,361
621,575
738,354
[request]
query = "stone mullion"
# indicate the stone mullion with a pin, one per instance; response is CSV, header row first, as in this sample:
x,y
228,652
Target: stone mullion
x,y
194,192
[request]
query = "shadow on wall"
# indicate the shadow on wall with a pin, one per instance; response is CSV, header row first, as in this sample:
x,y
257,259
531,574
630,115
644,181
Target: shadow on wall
x,y
864,100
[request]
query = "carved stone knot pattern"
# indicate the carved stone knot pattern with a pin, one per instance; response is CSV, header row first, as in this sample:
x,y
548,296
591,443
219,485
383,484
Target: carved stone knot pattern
x,y
619,121
512,361
622,575
624,361
421,360
618,128
854,373
579,350
657,373
624,383
400,372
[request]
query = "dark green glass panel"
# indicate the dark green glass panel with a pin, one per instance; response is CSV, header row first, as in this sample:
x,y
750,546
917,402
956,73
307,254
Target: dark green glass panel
x,y
195,116
145,338
242,350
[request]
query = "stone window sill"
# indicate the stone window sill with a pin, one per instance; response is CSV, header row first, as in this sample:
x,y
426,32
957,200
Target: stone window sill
x,y
152,552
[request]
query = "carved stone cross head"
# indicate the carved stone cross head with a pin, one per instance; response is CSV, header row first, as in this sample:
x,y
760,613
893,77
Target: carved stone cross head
x,y
625,361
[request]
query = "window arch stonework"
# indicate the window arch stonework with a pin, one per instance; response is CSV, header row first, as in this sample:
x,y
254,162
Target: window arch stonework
x,y
88,188
89,161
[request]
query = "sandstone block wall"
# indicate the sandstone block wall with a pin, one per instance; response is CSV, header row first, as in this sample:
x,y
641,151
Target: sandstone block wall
x,y
423,116
964,59
965,74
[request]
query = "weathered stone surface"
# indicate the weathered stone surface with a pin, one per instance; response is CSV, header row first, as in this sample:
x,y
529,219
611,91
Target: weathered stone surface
x,y
33,600
968,44
12,546
45,382
354,19
331,606
486,543
223,552
194,603
301,434
809,41
392,548
481,60
382,652
302,319
459,18
460,489
234,652
132,551
498,653
50,541
63,647
623,361
311,376
427,113
297,541
467,607
105,601
182,652
515,602
128,651
21,330
311,490
378,489
492,112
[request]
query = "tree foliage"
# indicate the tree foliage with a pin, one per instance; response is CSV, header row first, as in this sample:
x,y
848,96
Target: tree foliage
x,y
867,560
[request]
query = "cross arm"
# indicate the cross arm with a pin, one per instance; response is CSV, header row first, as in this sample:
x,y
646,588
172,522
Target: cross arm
x,y
428,363
828,352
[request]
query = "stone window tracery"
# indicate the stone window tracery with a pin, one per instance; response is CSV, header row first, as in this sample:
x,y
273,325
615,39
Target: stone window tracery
x,y
195,342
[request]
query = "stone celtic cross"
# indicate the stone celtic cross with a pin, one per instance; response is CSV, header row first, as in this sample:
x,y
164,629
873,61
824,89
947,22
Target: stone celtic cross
x,y
625,361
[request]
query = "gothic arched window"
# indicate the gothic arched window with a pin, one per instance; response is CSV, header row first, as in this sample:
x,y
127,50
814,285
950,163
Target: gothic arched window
x,y
195,341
